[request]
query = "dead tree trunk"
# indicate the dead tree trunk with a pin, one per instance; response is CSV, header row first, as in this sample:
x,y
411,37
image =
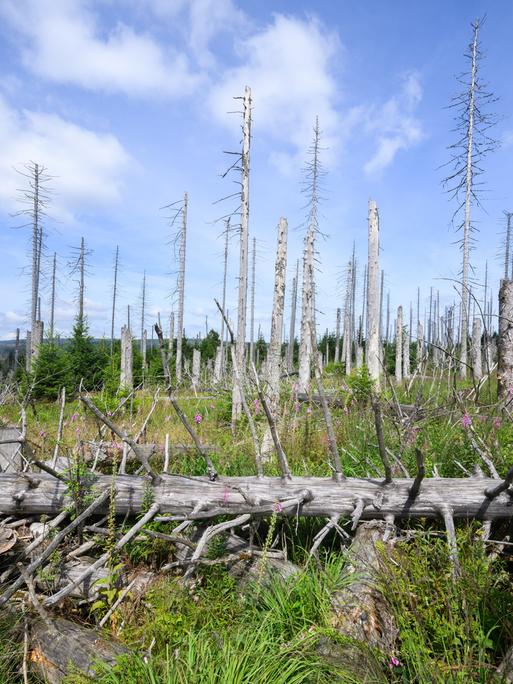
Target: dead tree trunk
x,y
181,290
114,297
196,369
52,296
360,611
126,378
240,345
274,354
505,350
373,355
399,346
292,329
336,358
481,498
477,366
252,306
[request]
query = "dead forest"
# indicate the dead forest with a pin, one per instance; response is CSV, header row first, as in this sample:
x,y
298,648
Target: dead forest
x,y
309,507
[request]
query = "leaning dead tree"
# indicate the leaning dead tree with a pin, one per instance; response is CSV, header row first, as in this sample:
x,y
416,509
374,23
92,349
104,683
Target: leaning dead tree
x,y
467,154
313,173
373,309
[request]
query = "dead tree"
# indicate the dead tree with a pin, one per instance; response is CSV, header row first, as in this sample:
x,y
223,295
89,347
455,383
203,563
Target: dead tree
x,y
143,331
505,344
273,366
467,154
476,353
373,316
399,346
292,328
181,289
114,296
252,306
52,296
126,378
220,351
34,200
336,358
240,344
313,173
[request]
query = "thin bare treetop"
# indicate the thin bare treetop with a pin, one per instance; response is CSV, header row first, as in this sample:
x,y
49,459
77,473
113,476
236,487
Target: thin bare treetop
x,y
33,199
473,122
78,266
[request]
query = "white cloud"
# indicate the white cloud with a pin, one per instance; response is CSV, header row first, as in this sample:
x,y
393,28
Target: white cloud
x,y
89,166
395,125
64,43
288,67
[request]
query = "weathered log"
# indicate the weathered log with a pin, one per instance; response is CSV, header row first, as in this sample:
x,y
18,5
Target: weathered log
x,y
360,612
197,497
59,646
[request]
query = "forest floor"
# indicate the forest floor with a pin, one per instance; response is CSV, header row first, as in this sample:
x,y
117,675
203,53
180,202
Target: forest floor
x,y
215,629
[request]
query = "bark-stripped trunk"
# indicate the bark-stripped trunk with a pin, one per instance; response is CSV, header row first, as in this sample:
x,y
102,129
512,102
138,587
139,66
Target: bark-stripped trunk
x,y
81,284
114,297
240,344
336,358
406,354
307,313
507,246
468,198
373,363
181,289
477,367
143,331
36,340
399,346
292,329
420,344
252,306
196,368
273,365
221,349
360,610
304,496
505,351
52,296
171,343
126,376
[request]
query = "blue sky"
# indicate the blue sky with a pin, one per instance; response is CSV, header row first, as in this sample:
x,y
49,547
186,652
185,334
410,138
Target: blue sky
x,y
126,103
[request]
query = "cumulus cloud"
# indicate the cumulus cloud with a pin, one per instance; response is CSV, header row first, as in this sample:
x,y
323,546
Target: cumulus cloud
x,y
63,42
288,65
395,125
90,166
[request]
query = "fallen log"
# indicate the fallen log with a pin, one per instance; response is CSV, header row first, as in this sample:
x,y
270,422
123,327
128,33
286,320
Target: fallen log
x,y
361,614
59,647
183,497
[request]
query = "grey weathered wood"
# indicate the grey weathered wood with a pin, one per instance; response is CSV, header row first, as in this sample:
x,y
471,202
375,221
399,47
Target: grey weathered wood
x,y
373,360
177,495
10,451
59,646
505,347
127,378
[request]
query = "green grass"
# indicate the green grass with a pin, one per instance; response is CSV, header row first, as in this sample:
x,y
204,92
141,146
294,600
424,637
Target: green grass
x,y
449,631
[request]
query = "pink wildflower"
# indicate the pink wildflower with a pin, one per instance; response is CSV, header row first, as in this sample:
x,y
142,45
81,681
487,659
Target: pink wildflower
x,y
198,418
497,422
278,507
309,409
256,404
74,417
297,407
42,434
466,421
109,413
394,662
